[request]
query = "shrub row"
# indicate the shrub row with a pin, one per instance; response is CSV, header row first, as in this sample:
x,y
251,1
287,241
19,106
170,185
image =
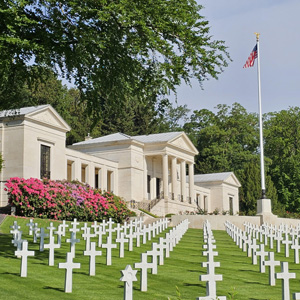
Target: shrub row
x,y
63,200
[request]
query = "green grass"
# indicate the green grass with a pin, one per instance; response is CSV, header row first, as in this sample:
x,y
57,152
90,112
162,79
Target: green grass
x,y
181,270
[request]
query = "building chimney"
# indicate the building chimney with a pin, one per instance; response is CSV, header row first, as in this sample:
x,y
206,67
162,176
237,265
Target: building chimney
x,y
88,137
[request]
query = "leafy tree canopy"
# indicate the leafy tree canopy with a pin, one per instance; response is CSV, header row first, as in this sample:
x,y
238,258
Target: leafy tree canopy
x,y
282,146
225,139
112,49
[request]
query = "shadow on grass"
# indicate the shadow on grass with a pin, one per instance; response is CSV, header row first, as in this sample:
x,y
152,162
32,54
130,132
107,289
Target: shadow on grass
x,y
196,271
9,273
7,249
53,288
194,284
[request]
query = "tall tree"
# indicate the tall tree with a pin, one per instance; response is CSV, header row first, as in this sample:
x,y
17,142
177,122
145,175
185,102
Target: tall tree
x,y
112,49
282,146
225,139
250,190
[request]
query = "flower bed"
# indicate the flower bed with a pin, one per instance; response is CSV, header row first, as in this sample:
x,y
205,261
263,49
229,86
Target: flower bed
x,y
63,200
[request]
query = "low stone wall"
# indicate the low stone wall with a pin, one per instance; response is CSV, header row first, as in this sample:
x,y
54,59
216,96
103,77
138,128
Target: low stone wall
x,y
217,221
172,207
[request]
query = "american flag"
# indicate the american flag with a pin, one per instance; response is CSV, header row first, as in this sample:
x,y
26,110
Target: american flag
x,y
251,58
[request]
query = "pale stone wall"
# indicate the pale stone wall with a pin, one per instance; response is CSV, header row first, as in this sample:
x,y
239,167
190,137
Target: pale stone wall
x,y
172,207
219,195
36,135
92,163
217,221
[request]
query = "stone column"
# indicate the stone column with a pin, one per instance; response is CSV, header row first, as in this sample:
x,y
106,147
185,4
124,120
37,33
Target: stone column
x,y
100,178
104,178
145,179
165,177
183,180
191,182
174,177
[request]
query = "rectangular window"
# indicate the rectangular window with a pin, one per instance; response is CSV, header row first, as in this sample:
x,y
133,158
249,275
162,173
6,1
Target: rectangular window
x,y
83,173
97,170
231,206
158,188
148,183
45,161
109,181
70,170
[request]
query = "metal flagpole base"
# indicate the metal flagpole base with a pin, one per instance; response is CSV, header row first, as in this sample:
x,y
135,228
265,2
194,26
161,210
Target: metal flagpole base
x,y
264,206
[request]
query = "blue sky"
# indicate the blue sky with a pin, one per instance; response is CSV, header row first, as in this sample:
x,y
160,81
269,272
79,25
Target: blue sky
x,y
235,22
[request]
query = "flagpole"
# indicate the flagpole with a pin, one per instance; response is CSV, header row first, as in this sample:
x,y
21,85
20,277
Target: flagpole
x,y
262,164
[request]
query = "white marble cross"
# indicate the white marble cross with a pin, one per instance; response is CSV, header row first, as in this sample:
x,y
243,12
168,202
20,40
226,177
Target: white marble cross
x,y
121,240
118,229
24,253
278,238
51,229
296,248
160,249
285,276
130,236
100,232
138,234
73,242
109,246
84,228
36,230
129,275
272,263
110,229
15,229
272,235
211,290
92,253
104,224
69,265
95,226
87,237
51,246
262,254
254,247
42,236
17,241
59,232
63,226
154,253
30,225
165,245
287,242
74,228
144,265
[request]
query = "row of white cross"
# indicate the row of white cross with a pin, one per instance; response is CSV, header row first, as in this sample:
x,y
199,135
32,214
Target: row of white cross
x,y
210,264
159,251
125,233
247,240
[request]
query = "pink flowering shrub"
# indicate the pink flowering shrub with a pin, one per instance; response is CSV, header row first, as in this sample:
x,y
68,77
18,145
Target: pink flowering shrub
x,y
63,200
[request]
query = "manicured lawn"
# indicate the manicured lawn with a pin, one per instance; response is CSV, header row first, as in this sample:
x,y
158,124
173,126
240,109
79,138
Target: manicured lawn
x,y
181,270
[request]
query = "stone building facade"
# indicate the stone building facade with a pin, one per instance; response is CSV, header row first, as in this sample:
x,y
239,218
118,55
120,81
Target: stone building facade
x,y
152,171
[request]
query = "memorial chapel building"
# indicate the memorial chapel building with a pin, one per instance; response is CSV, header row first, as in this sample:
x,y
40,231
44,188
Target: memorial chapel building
x,y
155,171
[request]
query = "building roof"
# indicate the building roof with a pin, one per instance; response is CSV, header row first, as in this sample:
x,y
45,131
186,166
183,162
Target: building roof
x,y
212,177
157,137
21,111
107,138
151,138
